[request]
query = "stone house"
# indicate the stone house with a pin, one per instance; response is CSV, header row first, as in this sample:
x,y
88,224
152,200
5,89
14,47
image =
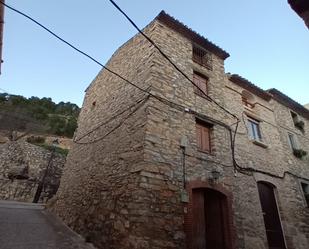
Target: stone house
x,y
170,169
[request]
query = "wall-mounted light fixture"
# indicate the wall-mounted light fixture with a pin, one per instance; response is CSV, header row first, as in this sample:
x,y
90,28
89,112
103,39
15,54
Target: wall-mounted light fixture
x,y
215,174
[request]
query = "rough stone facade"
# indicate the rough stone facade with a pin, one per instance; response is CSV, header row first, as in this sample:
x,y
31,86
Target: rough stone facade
x,y
22,166
132,172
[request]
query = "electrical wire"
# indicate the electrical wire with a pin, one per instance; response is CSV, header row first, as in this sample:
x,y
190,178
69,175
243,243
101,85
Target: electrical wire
x,y
72,46
109,120
169,60
117,126
165,101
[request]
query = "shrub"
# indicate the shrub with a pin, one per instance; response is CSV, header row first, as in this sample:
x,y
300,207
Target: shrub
x,y
299,153
35,140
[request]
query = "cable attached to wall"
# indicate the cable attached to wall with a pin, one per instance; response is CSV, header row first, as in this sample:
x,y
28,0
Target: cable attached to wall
x,y
170,61
243,170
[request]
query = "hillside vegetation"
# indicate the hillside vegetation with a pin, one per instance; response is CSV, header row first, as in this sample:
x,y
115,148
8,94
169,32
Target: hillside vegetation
x,y
37,115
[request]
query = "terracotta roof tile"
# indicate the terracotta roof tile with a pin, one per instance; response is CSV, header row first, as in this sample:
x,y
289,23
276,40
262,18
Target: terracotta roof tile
x,y
249,86
288,102
184,30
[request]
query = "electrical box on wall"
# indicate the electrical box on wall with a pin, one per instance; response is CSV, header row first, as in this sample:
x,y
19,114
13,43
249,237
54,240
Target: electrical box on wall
x,y
184,196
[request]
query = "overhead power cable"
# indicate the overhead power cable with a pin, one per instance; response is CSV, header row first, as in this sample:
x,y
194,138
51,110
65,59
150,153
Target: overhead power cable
x,y
170,61
73,47
109,120
163,100
233,137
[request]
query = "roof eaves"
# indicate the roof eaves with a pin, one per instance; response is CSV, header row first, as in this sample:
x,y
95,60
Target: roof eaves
x,y
195,37
288,102
249,86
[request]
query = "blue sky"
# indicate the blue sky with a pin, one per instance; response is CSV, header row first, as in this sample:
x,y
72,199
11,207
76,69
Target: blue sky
x,y
268,42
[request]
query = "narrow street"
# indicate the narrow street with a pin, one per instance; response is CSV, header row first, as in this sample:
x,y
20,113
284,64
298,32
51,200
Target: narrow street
x,y
30,226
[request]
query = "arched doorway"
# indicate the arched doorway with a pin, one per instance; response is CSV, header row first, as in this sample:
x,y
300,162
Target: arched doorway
x,y
271,216
210,219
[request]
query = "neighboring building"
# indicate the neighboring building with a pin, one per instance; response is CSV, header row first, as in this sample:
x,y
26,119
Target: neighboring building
x,y
159,172
301,7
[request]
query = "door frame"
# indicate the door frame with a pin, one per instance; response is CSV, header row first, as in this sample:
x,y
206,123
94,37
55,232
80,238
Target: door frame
x,y
230,230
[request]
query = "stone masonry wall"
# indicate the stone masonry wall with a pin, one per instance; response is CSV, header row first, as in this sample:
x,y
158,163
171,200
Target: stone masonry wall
x,y
22,166
99,193
124,187
276,158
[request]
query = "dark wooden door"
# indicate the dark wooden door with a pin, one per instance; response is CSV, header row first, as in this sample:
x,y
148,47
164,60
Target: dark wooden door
x,y
209,219
199,231
271,216
214,220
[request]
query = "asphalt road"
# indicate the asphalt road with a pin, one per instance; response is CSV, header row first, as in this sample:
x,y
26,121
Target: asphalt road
x,y
29,226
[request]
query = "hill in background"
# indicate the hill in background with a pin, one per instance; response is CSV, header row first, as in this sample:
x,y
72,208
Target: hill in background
x,y
37,115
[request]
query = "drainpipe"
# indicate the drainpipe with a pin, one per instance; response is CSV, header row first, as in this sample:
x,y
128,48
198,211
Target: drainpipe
x,y
183,145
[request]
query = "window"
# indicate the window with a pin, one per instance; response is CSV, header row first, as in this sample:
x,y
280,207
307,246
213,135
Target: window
x,y
203,131
299,124
292,141
202,82
202,57
246,103
254,129
247,99
294,117
305,189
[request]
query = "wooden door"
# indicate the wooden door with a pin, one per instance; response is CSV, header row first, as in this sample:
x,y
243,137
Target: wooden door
x,y
271,216
209,219
214,220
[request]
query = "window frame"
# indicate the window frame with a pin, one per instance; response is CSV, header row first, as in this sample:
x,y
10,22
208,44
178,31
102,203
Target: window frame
x,y
199,77
295,117
201,56
304,192
253,132
204,126
293,143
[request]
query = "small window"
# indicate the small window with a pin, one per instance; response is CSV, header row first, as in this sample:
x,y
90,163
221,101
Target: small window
x,y
299,124
202,82
294,117
292,141
247,99
203,136
246,103
202,57
305,189
254,129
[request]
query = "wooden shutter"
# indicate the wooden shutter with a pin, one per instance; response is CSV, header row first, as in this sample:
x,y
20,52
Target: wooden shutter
x,y
203,137
206,139
199,136
201,82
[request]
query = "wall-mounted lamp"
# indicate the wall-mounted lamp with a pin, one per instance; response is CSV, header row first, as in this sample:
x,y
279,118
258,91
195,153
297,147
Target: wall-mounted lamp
x,y
215,174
